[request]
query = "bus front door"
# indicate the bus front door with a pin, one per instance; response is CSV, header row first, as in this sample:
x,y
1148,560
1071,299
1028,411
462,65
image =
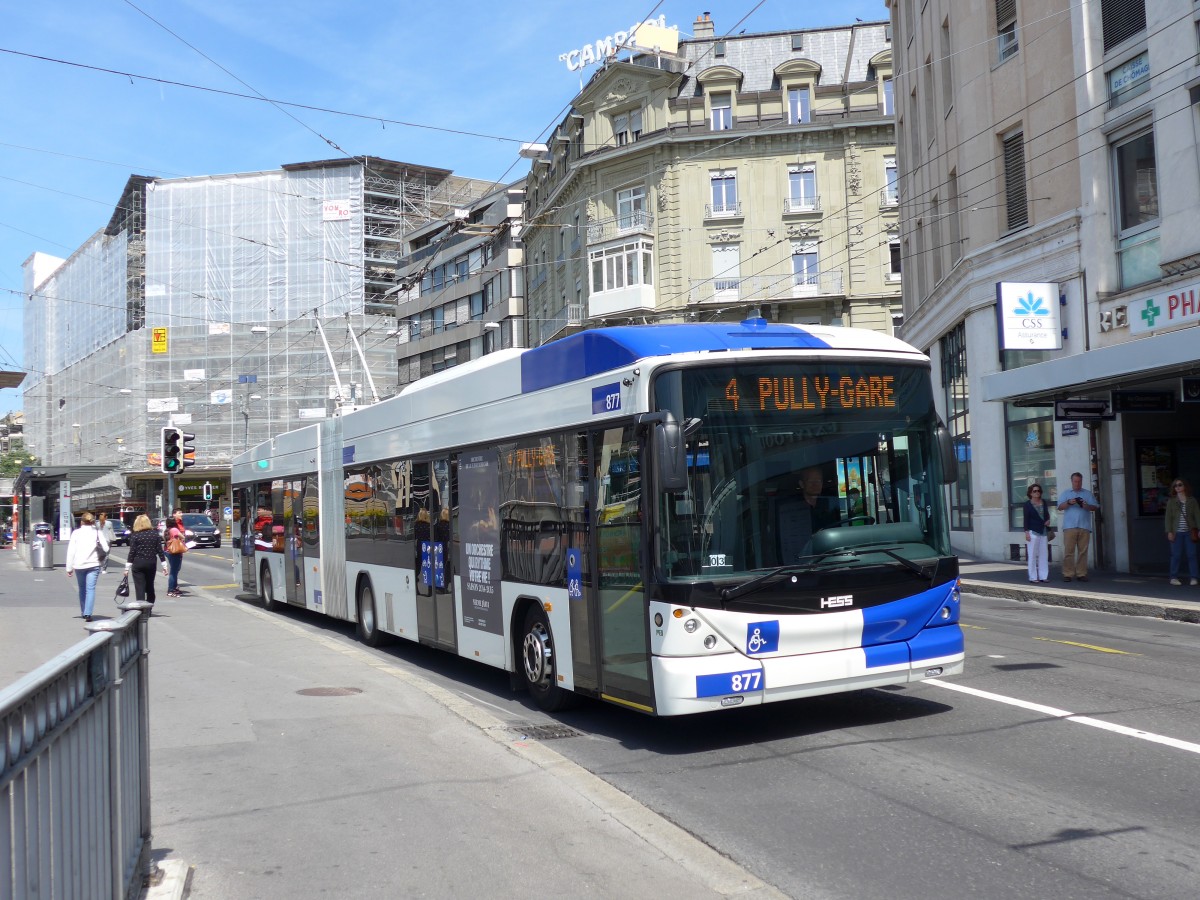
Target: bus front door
x,y
619,594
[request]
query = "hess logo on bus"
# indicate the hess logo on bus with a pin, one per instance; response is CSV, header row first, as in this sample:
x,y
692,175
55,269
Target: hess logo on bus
x,y
837,601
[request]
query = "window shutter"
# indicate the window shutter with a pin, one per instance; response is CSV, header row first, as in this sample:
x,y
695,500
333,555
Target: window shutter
x,y
1014,181
1122,19
635,120
1006,11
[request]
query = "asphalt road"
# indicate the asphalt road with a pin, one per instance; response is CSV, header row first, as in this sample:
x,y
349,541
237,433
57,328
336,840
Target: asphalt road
x,y
929,791
1064,763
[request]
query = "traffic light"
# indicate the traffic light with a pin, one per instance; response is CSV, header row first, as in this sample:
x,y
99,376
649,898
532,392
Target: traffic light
x,y
171,453
189,449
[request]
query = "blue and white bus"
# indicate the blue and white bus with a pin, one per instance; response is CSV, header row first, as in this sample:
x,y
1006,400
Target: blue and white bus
x,y
674,518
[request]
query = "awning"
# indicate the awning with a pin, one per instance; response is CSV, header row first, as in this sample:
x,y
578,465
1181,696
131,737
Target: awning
x,y
1133,362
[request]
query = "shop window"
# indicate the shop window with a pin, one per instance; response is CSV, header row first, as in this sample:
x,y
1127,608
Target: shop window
x,y
958,421
1030,437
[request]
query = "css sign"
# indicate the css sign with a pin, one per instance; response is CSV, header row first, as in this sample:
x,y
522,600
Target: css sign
x,y
1027,315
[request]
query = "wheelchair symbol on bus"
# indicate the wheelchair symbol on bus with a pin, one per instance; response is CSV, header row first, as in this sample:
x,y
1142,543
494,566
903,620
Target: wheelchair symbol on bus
x,y
762,637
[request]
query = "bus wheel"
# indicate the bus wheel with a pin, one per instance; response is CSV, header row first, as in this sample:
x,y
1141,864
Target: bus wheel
x,y
267,589
368,625
537,661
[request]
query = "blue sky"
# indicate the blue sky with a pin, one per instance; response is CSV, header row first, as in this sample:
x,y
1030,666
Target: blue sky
x,y
71,136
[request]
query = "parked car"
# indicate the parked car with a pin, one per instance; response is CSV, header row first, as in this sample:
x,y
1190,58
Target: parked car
x,y
198,529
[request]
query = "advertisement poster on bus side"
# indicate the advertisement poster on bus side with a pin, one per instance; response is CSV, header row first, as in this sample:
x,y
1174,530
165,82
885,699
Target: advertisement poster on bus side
x,y
479,562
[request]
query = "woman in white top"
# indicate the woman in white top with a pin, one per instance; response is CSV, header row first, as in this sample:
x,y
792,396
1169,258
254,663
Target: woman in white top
x,y
85,554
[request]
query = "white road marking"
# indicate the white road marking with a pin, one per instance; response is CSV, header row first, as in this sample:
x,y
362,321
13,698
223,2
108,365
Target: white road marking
x,y
1069,716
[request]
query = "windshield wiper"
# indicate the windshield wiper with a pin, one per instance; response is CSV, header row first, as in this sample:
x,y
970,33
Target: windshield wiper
x,y
904,561
753,584
811,563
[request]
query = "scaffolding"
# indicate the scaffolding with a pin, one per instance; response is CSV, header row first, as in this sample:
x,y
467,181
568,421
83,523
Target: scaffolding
x,y
226,272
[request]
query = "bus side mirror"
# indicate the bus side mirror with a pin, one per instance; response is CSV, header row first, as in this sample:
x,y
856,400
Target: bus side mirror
x,y
670,456
947,454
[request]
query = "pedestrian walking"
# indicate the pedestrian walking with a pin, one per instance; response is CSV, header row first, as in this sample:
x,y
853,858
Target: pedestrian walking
x,y
1076,506
106,529
1037,534
145,553
86,552
176,547
1182,525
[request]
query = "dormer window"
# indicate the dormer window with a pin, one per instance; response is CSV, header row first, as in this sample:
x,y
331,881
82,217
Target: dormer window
x,y
627,127
799,106
722,111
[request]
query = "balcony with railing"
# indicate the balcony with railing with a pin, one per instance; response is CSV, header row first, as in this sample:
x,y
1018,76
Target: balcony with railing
x,y
765,288
889,198
800,205
640,221
722,210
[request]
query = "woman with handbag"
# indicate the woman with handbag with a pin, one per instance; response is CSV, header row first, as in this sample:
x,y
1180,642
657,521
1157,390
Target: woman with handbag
x,y
176,547
1181,523
145,552
1038,535
86,552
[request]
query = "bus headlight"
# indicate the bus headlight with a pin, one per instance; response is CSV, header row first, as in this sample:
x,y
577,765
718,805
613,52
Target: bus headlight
x,y
710,641
945,612
691,625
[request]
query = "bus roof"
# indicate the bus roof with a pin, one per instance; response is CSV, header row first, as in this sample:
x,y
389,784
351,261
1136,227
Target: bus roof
x,y
600,350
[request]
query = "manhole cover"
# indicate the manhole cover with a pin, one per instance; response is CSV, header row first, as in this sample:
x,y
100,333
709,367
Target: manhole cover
x,y
544,732
329,692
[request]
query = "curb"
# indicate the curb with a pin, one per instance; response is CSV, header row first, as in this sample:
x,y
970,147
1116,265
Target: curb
x,y
1111,603
171,880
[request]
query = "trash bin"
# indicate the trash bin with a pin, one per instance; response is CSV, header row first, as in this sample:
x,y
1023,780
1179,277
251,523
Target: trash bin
x,y
41,553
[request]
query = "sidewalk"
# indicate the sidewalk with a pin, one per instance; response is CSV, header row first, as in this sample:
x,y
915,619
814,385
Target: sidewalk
x,y
1129,595
288,761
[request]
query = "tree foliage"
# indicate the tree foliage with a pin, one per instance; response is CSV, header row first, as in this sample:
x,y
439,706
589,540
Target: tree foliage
x,y
16,458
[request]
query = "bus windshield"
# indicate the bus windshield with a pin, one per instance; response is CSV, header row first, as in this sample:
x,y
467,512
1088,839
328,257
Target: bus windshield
x,y
817,466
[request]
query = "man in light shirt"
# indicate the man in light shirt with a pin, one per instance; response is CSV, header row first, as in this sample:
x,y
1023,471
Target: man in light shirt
x,y
1076,507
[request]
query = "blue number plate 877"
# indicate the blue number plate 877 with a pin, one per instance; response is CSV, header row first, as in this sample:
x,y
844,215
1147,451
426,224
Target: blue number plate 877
x,y
729,683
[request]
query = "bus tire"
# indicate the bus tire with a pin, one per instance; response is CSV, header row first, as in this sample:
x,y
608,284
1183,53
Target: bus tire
x,y
368,624
266,589
538,664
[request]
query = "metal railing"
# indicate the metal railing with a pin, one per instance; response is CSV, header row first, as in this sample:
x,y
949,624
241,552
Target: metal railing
x,y
889,197
722,210
802,204
75,768
639,220
763,288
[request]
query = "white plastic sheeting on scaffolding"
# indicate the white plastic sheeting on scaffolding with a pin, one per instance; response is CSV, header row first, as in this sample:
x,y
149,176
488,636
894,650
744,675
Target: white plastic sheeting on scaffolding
x,y
254,248
81,303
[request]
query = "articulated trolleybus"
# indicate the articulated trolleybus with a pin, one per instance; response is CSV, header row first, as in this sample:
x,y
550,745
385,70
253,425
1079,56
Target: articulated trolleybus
x,y
675,518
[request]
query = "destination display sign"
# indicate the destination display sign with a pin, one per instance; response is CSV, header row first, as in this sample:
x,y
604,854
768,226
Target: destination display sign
x,y
811,392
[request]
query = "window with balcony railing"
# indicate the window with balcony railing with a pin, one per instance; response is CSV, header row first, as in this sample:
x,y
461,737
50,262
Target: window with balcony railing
x,y
724,194
802,188
806,268
890,195
631,207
